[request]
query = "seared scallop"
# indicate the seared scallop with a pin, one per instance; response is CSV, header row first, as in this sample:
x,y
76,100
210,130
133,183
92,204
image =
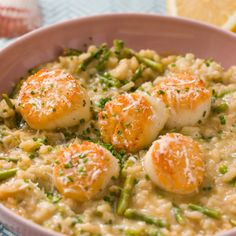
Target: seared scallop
x,y
175,163
53,99
132,121
186,96
83,170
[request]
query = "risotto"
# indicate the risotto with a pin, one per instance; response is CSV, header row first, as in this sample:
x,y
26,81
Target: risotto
x,y
110,141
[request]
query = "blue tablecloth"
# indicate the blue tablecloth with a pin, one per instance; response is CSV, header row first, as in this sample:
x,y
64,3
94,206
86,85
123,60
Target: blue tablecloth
x,y
60,10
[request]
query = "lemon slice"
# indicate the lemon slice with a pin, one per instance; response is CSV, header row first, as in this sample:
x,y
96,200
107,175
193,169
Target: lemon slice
x,y
231,23
217,12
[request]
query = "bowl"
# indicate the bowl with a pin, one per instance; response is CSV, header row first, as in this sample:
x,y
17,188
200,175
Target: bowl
x,y
166,35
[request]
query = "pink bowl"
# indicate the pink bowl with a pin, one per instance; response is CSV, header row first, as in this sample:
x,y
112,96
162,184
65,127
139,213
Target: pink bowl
x,y
161,33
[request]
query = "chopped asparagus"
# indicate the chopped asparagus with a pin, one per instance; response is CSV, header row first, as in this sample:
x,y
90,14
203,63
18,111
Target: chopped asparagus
x,y
125,194
6,174
9,159
206,211
233,222
127,164
155,232
222,94
221,108
222,120
17,87
137,74
102,62
178,214
94,55
233,181
118,45
134,232
109,81
8,101
150,63
67,52
135,215
142,232
157,66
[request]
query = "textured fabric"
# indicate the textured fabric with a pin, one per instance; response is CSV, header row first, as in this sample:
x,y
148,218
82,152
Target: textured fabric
x,y
59,10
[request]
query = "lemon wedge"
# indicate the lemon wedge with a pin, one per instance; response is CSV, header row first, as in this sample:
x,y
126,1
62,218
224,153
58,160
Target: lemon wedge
x,y
217,12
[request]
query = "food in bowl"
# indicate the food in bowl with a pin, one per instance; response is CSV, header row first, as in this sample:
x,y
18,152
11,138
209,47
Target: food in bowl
x,y
111,141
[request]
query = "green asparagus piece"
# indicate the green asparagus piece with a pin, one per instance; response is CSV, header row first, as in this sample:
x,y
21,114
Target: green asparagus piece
x,y
155,232
109,81
6,174
142,232
206,211
178,214
127,52
67,52
102,62
146,61
8,101
9,159
53,197
221,108
127,164
150,63
233,222
222,94
125,194
233,182
94,55
118,45
17,87
135,215
137,74
134,232
33,71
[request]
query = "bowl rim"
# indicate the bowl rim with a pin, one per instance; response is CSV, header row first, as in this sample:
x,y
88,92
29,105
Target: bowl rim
x,y
62,24
15,43
26,222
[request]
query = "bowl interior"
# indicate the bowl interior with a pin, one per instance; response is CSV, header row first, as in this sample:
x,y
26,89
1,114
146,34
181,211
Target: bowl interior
x,y
163,34
166,35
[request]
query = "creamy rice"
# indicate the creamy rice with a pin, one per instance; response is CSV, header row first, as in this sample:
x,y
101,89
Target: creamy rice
x,y
32,194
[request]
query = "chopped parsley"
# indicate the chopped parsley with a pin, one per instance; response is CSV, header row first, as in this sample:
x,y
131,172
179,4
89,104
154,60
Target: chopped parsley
x,y
222,120
70,179
33,155
161,92
82,121
53,198
223,169
107,199
68,165
82,155
120,155
119,132
102,102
